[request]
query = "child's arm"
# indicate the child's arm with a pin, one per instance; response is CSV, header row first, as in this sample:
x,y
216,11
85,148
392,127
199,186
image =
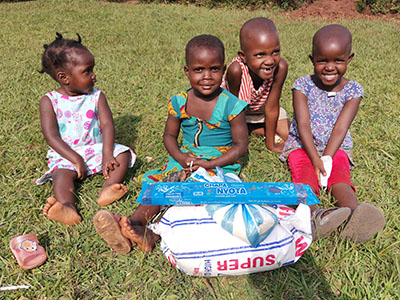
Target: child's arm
x,y
271,108
170,138
51,134
240,142
342,125
234,77
303,123
107,126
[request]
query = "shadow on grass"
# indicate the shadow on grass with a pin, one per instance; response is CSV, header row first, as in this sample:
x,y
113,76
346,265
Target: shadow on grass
x,y
244,160
302,280
126,134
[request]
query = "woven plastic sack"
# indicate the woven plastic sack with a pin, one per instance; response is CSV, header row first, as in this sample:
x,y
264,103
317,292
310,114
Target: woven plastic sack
x,y
250,223
195,244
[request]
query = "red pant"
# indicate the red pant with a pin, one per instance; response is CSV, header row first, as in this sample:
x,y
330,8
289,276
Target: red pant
x,y
303,171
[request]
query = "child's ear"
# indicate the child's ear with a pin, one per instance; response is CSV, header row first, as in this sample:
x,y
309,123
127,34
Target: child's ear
x,y
242,55
350,58
311,58
186,70
62,77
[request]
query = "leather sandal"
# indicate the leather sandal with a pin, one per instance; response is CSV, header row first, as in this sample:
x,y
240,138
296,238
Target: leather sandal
x,y
177,176
366,221
108,228
325,221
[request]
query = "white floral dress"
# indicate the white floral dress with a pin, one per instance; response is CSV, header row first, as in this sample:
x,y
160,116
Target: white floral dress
x,y
79,126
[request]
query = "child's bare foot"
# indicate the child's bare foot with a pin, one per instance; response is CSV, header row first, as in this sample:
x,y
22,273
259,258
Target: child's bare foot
x,y
111,193
61,213
140,235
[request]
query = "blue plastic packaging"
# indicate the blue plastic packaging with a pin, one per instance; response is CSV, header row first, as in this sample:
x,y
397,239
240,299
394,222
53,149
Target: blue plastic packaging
x,y
193,193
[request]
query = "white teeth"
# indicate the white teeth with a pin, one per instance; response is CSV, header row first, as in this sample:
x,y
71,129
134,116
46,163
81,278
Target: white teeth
x,y
329,77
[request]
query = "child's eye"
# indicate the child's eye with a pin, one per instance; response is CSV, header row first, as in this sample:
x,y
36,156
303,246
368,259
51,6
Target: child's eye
x,y
215,69
276,51
198,69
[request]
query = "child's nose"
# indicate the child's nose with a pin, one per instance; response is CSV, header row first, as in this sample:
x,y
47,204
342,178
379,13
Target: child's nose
x,y
207,74
330,66
268,60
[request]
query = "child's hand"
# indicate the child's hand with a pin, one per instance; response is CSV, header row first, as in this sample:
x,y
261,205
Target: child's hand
x,y
201,163
81,169
196,163
277,148
187,160
319,169
109,164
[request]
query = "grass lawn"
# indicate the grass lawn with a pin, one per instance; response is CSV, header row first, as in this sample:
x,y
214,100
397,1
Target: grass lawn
x,y
139,51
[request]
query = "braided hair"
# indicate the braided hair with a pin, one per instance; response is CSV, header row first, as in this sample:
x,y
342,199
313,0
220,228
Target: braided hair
x,y
57,54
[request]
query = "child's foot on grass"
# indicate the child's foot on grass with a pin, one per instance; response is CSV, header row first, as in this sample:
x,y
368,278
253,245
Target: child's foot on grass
x,y
111,193
140,235
61,213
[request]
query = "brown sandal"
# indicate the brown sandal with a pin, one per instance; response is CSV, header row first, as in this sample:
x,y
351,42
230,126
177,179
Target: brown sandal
x,y
323,226
366,221
108,228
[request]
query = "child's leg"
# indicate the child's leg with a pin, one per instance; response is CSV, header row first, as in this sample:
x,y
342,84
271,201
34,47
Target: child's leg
x,y
344,195
282,127
113,189
256,128
324,221
135,227
339,183
281,134
366,219
62,207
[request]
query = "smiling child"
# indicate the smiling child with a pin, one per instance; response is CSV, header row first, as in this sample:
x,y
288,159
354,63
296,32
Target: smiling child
x,y
257,76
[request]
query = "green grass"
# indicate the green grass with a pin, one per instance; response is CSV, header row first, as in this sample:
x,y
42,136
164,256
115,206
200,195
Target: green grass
x,y
139,51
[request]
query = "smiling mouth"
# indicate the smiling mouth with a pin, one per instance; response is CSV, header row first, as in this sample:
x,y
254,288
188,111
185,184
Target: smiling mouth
x,y
267,70
329,76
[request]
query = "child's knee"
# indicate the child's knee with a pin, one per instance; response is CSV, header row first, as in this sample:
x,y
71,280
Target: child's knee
x,y
124,158
63,175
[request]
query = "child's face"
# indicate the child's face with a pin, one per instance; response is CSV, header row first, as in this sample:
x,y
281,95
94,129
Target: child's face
x,y
261,53
330,62
80,74
204,70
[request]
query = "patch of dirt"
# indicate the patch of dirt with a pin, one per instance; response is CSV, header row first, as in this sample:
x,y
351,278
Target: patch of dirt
x,y
336,9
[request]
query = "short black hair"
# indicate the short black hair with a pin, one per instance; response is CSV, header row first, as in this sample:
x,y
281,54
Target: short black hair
x,y
56,54
333,32
206,41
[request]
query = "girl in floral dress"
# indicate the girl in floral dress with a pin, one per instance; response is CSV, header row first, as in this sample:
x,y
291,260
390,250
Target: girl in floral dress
x,y
77,124
325,105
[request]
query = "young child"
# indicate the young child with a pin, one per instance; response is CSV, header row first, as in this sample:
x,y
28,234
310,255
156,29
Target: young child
x,y
325,105
257,76
212,121
77,124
